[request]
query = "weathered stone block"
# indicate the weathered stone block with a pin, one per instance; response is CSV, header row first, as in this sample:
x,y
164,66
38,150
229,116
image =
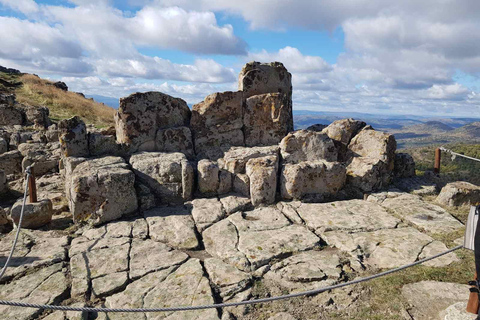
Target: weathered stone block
x,y
217,123
312,179
208,177
304,145
262,173
459,193
11,162
44,157
267,119
35,215
73,137
374,144
404,165
169,175
175,140
258,78
140,115
10,116
368,174
101,190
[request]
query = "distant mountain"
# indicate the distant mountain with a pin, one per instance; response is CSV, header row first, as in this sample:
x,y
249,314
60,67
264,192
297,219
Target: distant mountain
x,y
471,130
109,101
430,127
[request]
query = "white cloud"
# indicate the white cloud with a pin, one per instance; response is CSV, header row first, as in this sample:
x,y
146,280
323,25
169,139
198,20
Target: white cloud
x,y
23,6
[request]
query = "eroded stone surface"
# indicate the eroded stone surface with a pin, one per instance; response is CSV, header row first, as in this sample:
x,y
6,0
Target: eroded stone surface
x,y
233,203
383,249
459,193
206,211
429,298
173,226
427,216
227,279
307,270
305,145
348,216
434,248
258,78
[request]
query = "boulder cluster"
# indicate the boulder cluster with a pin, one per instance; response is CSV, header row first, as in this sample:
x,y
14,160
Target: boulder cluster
x,y
243,142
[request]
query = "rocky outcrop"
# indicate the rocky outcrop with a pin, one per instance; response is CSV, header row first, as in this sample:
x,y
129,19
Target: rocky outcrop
x,y
259,78
44,157
342,132
35,215
459,193
304,145
11,116
73,137
262,174
217,124
60,85
267,119
141,115
175,140
170,176
315,180
37,116
101,190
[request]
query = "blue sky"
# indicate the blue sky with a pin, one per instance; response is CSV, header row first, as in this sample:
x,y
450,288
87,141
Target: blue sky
x,y
376,56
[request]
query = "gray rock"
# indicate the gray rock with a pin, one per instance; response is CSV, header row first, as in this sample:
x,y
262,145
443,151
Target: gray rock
x,y
235,202
282,316
3,145
434,248
35,249
175,140
342,132
303,145
105,145
457,311
404,165
169,175
140,115
348,216
317,127
227,280
315,180
37,116
146,199
262,174
259,78
35,215
46,286
307,271
225,182
417,185
151,256
460,193
367,174
217,123
267,119
381,249
427,216
241,184
429,298
11,162
206,212
376,145
101,190
173,226
235,160
3,182
73,138
43,157
208,177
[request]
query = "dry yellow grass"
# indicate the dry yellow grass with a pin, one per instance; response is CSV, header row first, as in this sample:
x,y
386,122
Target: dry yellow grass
x,y
62,105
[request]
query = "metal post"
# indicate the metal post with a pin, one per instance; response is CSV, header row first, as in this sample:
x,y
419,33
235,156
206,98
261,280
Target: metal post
x,y
32,187
438,157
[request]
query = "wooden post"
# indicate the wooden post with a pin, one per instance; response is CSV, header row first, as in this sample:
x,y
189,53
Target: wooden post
x,y
438,157
32,187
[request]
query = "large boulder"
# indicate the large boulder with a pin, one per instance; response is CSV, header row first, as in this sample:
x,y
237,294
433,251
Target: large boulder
x,y
217,124
208,174
169,175
101,190
342,132
459,193
312,180
105,145
35,214
235,159
259,78
73,137
267,119
305,145
141,115
367,174
11,162
44,157
175,140
374,144
11,116
404,165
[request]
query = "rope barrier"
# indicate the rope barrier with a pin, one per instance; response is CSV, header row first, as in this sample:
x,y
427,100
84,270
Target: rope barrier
x,y
4,269
231,304
455,154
